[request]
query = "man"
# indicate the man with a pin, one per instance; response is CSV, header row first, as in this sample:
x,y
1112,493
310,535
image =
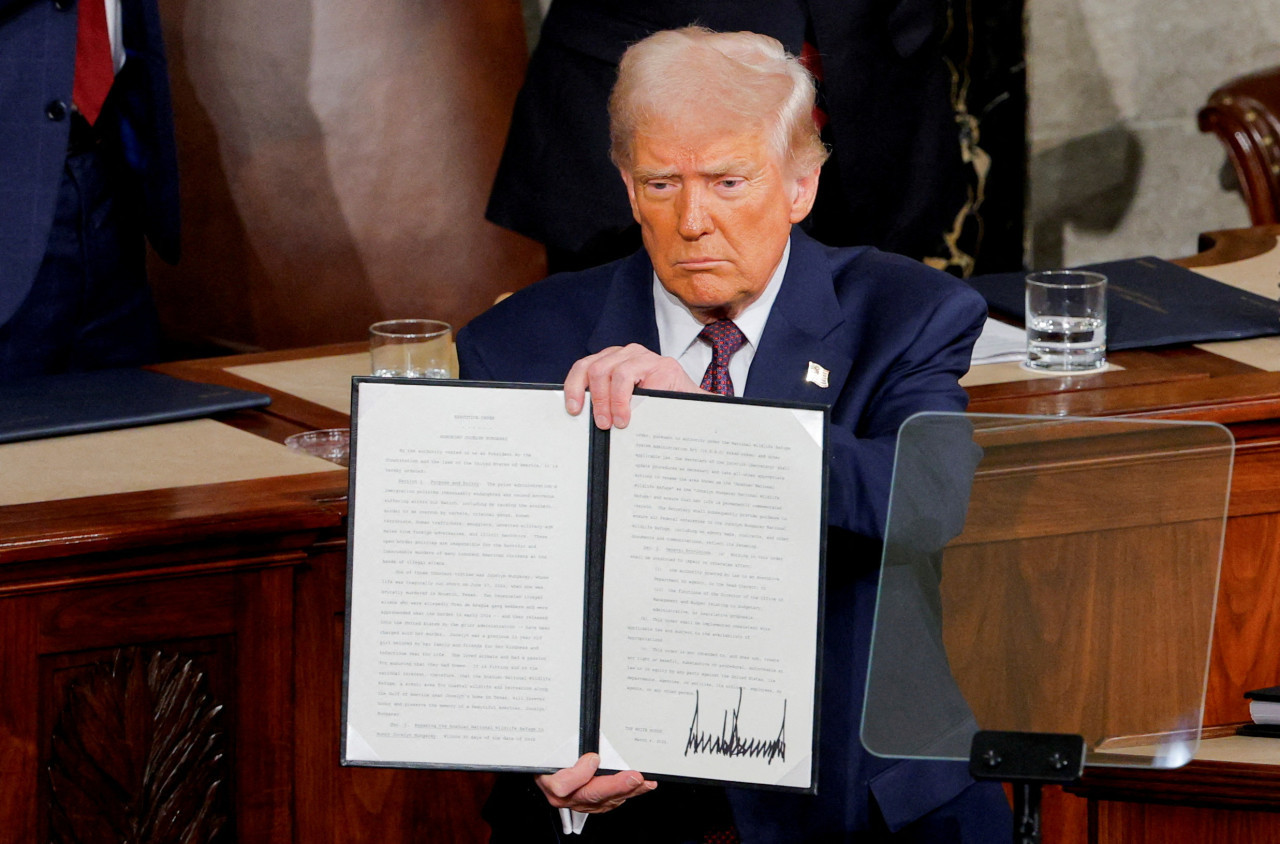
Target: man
x,y
715,142
80,182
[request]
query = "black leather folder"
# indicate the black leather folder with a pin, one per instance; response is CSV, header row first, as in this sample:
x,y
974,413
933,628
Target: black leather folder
x,y
1151,302
79,402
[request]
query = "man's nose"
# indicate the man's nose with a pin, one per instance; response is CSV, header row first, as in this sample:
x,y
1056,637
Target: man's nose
x,y
695,217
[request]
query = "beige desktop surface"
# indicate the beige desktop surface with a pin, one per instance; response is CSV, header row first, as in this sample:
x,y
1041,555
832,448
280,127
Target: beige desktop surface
x,y
1261,275
1247,750
324,380
1001,373
1253,750
191,453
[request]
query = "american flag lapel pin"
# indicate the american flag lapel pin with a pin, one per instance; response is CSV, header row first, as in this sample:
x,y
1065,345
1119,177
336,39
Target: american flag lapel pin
x,y
817,375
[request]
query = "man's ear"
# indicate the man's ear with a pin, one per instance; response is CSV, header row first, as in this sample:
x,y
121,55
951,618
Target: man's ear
x,y
631,193
806,188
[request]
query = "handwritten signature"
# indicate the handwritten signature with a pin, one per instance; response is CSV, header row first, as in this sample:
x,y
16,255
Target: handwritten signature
x,y
730,743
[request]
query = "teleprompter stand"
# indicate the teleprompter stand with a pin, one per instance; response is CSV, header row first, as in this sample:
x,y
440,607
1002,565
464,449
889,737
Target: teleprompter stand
x,y
1046,596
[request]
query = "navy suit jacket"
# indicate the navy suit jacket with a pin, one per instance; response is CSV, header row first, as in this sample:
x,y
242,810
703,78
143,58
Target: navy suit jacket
x,y
895,336
37,65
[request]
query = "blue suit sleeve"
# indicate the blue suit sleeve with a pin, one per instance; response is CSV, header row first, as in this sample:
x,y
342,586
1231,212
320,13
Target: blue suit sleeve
x,y
470,365
924,378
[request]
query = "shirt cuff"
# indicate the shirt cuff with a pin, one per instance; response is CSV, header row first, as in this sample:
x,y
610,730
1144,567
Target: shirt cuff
x,y
571,822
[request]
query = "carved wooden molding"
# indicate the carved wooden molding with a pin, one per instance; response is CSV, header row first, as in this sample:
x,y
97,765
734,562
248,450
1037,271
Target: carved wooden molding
x,y
1244,114
138,756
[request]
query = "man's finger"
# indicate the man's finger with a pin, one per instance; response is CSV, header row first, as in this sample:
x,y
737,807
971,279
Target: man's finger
x,y
566,781
601,382
612,375
622,383
575,383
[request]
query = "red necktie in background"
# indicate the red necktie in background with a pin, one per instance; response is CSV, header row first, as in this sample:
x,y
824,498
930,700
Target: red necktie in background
x,y
725,339
812,62
95,70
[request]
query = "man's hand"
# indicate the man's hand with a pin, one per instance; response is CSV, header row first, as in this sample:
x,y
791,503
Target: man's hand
x,y
613,374
579,789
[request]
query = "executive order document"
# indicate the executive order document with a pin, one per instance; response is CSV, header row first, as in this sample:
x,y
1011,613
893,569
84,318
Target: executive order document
x,y
493,623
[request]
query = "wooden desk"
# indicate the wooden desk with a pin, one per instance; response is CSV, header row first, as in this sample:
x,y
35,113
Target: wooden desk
x,y
1230,793
245,581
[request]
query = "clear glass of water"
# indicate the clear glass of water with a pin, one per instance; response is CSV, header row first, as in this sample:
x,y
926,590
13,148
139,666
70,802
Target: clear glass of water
x,y
1066,321
412,348
332,444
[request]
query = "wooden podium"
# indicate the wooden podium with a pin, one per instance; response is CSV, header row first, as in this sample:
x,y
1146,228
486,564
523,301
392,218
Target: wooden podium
x,y
176,652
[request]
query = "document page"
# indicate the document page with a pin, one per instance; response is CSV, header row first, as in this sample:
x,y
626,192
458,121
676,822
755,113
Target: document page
x,y
712,582
468,559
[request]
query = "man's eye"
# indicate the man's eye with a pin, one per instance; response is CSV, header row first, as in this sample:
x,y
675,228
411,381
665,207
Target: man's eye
x,y
732,184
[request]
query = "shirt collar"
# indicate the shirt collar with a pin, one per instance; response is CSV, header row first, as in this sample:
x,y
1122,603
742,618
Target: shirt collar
x,y
678,328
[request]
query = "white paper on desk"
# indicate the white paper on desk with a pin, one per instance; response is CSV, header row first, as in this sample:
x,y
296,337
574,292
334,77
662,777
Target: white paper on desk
x,y
1000,343
1264,711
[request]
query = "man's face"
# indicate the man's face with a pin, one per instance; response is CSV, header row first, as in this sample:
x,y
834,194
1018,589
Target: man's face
x,y
715,207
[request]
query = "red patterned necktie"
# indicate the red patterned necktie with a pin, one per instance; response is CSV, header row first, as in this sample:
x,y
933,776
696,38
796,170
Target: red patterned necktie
x,y
725,339
95,70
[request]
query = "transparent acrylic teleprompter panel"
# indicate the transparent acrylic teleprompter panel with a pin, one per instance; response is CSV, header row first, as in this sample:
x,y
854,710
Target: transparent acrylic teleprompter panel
x,y
1048,574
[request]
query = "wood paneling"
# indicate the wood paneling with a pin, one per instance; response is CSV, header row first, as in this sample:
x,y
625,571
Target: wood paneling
x,y
335,162
1127,823
141,745
339,805
235,626
1080,644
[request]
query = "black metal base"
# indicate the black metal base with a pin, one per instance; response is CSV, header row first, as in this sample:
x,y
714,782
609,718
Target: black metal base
x,y
1027,761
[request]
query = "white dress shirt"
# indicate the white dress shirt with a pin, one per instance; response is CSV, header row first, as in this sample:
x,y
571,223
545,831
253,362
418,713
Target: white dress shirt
x,y
113,32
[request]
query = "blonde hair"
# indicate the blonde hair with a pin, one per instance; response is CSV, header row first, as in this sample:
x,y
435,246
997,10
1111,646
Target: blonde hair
x,y
751,76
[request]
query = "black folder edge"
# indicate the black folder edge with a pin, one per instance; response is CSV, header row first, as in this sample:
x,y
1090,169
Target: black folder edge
x,y
1264,730
598,473
182,400
1270,693
593,593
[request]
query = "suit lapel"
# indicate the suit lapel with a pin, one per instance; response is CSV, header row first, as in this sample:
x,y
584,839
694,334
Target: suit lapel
x,y
627,315
802,328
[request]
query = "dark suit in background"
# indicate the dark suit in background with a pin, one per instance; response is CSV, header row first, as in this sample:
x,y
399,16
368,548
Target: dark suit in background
x,y
896,337
75,205
895,179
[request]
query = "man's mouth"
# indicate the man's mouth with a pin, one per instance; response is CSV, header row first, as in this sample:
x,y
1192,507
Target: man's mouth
x,y
699,263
